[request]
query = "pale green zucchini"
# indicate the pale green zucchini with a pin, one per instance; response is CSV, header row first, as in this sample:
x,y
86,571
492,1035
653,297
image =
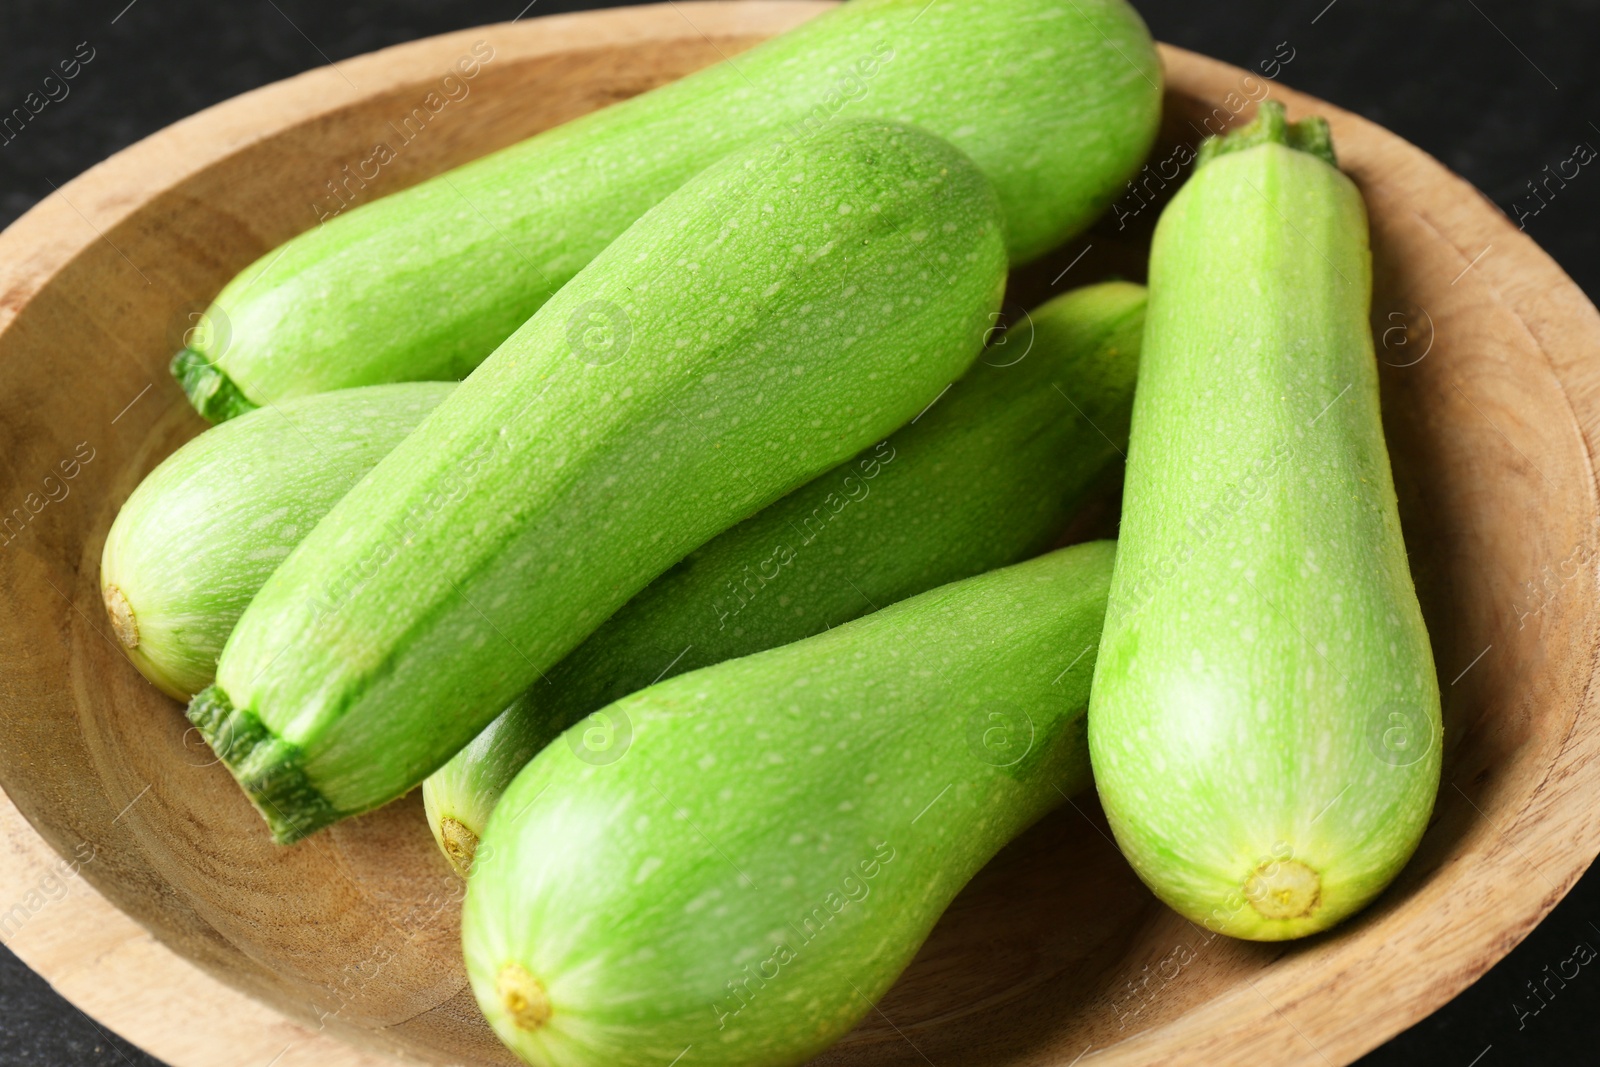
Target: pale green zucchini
x,y
783,310
985,477
203,531
1265,722
1056,100
751,876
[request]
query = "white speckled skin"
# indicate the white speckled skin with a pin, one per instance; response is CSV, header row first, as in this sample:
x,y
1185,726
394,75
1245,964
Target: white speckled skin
x,y
206,528
785,828
1057,101
1265,693
788,307
987,476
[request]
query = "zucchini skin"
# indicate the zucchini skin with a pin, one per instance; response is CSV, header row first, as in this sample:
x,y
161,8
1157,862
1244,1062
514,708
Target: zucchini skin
x,y
458,798
785,828
1265,723
1057,101
204,530
987,476
784,309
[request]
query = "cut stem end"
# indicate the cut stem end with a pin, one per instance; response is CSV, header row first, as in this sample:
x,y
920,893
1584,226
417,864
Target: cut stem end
x,y
213,394
1271,126
267,768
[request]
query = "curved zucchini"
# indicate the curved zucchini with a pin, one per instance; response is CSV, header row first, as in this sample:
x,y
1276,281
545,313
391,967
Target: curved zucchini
x,y
1056,100
203,531
787,307
785,829
987,476
1265,722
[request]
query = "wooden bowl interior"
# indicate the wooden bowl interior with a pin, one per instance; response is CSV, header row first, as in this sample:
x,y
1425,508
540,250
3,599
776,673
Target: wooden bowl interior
x,y
1055,948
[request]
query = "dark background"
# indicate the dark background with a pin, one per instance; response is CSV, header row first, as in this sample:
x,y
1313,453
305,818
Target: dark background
x,y
1494,88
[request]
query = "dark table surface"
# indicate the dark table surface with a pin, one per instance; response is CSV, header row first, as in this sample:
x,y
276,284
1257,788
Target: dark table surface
x,y
1494,89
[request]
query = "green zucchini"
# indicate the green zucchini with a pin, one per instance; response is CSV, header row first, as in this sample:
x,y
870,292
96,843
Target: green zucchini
x,y
203,531
1265,724
781,311
985,477
785,828
1056,100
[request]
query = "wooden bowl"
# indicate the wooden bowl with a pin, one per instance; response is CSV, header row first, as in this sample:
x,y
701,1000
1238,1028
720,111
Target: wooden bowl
x,y
343,950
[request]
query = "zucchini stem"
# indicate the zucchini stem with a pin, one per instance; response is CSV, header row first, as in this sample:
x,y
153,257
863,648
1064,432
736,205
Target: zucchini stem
x,y
267,767
213,394
1271,126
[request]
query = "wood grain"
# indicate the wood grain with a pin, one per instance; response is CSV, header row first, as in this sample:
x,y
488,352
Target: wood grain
x,y
136,878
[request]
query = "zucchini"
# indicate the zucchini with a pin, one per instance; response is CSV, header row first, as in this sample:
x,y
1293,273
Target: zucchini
x,y
785,828
987,476
1056,100
1265,724
781,311
203,531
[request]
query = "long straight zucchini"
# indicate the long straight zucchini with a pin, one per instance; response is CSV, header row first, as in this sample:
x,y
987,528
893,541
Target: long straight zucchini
x,y
200,535
749,878
783,310
1265,723
1056,100
987,476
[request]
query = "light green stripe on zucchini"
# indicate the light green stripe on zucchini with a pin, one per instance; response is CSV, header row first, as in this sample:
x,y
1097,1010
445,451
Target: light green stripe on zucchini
x,y
780,312
1057,101
986,476
203,531
1265,723
785,829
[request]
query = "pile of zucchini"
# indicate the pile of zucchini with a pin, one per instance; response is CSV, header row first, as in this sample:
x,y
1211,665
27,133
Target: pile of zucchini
x,y
714,607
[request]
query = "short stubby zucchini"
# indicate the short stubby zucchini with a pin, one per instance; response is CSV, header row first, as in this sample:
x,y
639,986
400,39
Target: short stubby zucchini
x,y
1265,723
988,475
783,310
1056,100
205,529
785,828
